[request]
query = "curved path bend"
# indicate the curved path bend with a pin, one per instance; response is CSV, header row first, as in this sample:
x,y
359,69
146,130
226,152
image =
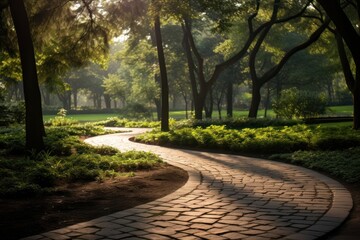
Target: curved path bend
x,y
226,197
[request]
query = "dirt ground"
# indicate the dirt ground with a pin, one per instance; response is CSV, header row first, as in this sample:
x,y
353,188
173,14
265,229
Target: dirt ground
x,y
81,202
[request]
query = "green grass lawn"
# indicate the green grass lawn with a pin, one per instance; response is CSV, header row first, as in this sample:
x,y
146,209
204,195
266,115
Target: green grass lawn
x,y
236,113
333,111
341,110
86,117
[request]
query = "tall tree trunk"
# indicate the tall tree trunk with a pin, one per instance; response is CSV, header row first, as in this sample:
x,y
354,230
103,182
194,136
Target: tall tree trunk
x,y
107,100
229,99
267,100
34,120
157,79
219,108
255,100
163,76
75,98
356,100
63,99
98,101
352,82
197,105
94,100
210,106
351,36
46,97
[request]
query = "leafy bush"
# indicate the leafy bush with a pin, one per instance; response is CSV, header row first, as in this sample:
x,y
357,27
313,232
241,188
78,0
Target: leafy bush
x,y
136,111
261,140
28,176
61,119
12,113
299,104
12,141
123,122
66,159
239,123
42,175
335,138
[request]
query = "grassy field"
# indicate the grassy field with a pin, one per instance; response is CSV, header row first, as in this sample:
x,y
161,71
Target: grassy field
x,y
340,110
333,111
86,117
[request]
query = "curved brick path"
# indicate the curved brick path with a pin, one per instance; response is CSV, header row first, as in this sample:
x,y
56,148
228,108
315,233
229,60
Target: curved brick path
x,y
226,197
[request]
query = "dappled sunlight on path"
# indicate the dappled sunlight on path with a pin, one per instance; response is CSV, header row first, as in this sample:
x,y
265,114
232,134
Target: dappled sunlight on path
x,y
226,197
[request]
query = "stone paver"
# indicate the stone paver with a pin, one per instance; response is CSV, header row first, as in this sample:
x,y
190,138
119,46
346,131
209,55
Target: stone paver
x,y
226,197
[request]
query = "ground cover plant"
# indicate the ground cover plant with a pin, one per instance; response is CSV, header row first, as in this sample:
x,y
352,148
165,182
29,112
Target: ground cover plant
x,y
344,164
123,122
296,143
66,159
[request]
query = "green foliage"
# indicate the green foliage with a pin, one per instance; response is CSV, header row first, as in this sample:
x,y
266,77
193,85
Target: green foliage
x,y
344,164
261,140
136,111
123,122
239,123
67,159
257,140
60,119
299,104
12,113
335,138
12,141
330,149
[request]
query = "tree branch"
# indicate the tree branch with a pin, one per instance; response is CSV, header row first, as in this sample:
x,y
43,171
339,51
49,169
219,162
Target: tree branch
x,y
313,38
259,42
240,54
349,77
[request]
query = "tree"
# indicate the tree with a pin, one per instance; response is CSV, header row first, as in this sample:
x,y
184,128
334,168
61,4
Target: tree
x,y
300,104
346,33
34,122
163,72
116,87
267,75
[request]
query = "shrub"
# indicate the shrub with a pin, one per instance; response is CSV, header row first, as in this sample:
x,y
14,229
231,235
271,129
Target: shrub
x,y
66,159
234,123
261,140
123,122
136,111
105,150
61,119
336,143
335,138
12,113
13,141
42,176
299,104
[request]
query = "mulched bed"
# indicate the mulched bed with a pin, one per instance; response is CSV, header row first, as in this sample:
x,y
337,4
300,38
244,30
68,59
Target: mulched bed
x,y
85,201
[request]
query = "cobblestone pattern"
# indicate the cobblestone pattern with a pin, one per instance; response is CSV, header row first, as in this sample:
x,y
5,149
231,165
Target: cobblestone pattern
x,y
226,197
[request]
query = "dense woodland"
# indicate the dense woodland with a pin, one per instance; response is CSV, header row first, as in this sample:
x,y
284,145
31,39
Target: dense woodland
x,y
201,55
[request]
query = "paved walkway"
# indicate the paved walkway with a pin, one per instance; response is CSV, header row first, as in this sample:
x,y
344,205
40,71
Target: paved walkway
x,y
226,197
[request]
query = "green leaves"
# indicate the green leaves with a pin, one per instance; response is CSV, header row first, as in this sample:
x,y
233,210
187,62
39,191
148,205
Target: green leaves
x,y
299,104
67,159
